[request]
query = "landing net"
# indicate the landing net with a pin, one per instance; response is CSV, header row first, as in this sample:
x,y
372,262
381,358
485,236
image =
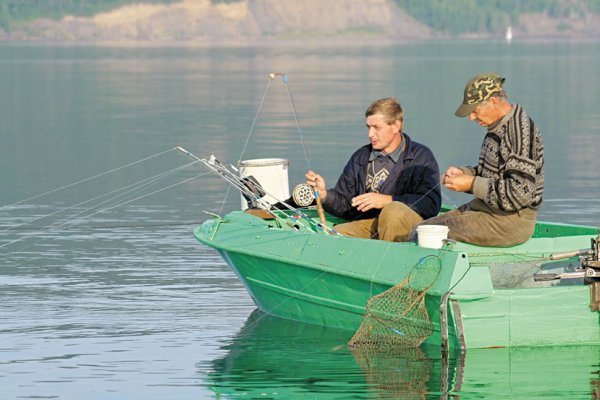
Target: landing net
x,y
397,318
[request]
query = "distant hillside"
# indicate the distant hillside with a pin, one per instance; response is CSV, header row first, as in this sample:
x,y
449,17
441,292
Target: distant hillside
x,y
251,20
493,16
205,20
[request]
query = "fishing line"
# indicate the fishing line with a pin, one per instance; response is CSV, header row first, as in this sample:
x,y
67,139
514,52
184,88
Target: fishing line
x,y
300,290
135,185
322,226
320,209
71,221
86,179
224,200
100,227
103,210
449,200
377,268
262,100
284,78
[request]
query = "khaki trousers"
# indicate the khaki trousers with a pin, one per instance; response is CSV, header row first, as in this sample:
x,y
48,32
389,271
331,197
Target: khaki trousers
x,y
394,224
477,223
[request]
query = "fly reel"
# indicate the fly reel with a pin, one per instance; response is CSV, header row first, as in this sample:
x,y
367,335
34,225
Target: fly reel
x,y
303,195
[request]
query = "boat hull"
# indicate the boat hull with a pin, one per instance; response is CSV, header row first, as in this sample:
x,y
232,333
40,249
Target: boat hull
x,y
327,280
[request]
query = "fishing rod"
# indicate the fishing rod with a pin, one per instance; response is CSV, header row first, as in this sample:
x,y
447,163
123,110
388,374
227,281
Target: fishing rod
x,y
256,198
245,182
244,185
218,168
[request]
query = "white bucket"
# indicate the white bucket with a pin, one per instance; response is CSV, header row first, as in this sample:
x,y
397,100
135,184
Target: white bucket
x,y
272,174
432,236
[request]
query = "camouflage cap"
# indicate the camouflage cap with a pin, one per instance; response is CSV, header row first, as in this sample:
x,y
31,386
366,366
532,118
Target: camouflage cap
x,y
479,88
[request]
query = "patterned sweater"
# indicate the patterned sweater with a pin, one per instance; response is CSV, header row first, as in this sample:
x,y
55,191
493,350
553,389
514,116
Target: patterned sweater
x,y
510,172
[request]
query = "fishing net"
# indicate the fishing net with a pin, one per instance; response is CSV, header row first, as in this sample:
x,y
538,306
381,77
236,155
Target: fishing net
x,y
518,270
397,318
395,375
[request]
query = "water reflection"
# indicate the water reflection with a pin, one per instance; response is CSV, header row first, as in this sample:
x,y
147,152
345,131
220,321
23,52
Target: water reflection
x,y
403,375
274,358
278,359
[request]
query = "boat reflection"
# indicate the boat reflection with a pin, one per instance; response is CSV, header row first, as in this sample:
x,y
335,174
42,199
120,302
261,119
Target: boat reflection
x,y
278,359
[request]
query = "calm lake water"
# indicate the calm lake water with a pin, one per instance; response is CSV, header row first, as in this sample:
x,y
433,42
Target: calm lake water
x,y
106,294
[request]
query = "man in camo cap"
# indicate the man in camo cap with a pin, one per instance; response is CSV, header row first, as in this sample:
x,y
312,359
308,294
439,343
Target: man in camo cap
x,y
508,181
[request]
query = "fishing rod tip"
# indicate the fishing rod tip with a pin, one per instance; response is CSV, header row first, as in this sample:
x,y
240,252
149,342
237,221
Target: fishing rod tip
x,y
284,77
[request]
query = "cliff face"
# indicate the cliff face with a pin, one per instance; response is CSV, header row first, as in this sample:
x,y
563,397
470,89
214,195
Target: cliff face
x,y
200,20
334,17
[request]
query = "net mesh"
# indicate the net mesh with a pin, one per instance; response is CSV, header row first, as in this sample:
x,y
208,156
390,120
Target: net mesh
x,y
397,318
395,375
517,270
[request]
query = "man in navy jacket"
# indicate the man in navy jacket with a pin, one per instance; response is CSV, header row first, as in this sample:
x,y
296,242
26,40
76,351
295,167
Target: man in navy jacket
x,y
388,186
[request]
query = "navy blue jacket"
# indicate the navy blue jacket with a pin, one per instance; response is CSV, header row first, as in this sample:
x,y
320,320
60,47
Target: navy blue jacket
x,y
414,180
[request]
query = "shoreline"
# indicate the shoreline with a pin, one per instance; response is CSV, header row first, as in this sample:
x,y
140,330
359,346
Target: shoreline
x,y
318,42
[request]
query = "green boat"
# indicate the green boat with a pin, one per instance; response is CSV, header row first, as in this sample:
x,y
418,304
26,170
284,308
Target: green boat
x,y
544,292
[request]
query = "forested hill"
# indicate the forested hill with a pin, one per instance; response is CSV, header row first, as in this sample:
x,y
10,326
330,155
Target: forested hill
x,y
292,19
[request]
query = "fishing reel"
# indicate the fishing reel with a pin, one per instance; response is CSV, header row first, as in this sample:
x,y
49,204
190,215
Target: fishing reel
x,y
303,195
591,265
591,261
254,191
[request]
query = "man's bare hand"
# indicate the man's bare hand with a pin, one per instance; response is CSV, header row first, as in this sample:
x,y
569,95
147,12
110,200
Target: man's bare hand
x,y
317,182
453,171
456,180
368,201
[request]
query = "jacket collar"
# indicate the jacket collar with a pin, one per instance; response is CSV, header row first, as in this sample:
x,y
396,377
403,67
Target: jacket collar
x,y
394,155
405,155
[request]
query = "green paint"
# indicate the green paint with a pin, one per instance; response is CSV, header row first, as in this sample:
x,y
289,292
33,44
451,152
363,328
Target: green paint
x,y
327,280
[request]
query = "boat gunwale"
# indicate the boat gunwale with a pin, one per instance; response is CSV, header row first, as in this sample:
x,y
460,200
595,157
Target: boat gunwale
x,y
206,236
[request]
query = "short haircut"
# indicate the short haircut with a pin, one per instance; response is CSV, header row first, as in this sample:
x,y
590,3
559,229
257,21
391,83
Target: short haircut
x,y
389,107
